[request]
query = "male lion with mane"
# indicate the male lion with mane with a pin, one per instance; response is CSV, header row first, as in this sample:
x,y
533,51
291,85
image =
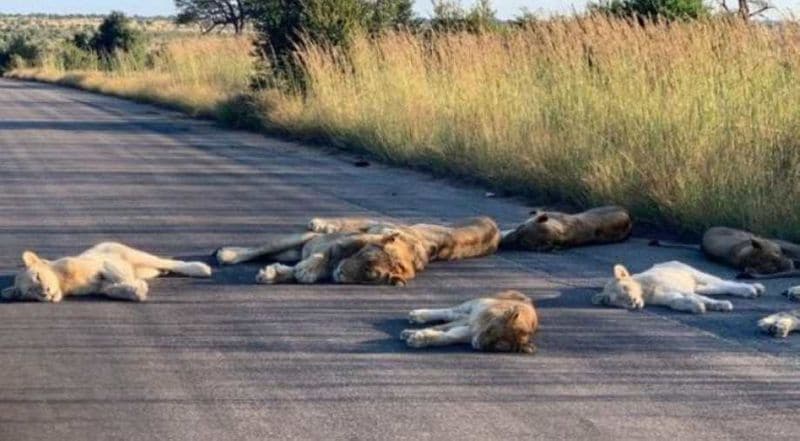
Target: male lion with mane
x,y
109,268
362,250
504,322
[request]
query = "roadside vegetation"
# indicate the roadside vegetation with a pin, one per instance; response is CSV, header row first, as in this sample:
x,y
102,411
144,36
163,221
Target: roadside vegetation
x,y
687,122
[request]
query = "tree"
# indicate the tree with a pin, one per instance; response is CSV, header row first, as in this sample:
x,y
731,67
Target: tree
x,y
282,24
747,8
215,13
652,9
115,34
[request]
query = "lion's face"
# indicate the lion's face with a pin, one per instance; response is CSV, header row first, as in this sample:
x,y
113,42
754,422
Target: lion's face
x,y
373,264
621,292
539,232
766,257
37,281
509,331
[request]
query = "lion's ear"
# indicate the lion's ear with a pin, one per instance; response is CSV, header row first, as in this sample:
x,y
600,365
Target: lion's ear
x,y
756,244
9,293
533,212
600,299
391,237
620,272
542,218
30,258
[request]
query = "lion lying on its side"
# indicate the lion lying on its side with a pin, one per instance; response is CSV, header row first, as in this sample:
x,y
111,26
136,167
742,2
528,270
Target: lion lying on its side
x,y
360,250
755,256
547,230
504,322
673,284
113,269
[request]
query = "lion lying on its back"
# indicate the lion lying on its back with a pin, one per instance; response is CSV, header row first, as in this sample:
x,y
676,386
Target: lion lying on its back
x,y
504,322
547,230
109,268
361,250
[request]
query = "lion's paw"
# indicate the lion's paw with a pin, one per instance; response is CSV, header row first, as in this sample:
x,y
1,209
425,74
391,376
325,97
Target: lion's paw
x,y
698,308
760,289
229,255
724,306
267,275
407,333
419,339
139,290
417,316
319,225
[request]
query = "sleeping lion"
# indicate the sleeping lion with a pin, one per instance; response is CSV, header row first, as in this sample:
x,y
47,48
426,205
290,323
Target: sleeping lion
x,y
548,230
673,284
504,322
109,268
361,250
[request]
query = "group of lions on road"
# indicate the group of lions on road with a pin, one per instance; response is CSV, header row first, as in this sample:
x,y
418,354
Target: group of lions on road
x,y
369,251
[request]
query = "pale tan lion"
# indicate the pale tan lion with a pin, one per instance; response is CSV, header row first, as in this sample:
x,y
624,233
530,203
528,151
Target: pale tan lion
x,y
755,256
548,230
673,284
504,322
360,250
109,268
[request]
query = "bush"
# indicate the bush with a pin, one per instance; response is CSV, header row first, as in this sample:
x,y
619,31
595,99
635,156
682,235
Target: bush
x,y
652,9
19,51
283,24
114,34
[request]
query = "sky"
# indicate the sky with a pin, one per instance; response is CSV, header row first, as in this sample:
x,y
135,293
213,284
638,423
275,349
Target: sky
x,y
505,8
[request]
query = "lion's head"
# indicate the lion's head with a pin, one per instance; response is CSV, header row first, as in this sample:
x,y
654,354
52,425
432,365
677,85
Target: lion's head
x,y
540,232
37,281
507,327
388,261
765,257
622,291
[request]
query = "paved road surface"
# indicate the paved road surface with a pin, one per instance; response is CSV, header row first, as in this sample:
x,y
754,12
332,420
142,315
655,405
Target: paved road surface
x,y
224,359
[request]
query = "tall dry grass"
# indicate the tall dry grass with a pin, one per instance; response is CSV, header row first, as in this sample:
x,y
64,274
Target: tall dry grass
x,y
695,124
195,75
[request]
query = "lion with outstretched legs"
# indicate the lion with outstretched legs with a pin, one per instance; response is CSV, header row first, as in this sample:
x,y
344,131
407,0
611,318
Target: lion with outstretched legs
x,y
109,268
504,322
361,250
673,284
548,230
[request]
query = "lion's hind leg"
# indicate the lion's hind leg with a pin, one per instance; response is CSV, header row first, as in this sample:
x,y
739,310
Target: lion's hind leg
x,y
283,247
780,324
275,273
121,282
746,290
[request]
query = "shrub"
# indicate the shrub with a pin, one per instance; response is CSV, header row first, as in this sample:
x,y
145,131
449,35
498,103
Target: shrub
x,y
652,9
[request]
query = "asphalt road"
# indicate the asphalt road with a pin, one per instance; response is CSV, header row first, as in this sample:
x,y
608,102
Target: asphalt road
x,y
224,359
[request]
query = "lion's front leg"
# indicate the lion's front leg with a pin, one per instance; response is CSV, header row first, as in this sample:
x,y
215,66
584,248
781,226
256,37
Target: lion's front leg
x,y
780,324
135,290
679,301
434,337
